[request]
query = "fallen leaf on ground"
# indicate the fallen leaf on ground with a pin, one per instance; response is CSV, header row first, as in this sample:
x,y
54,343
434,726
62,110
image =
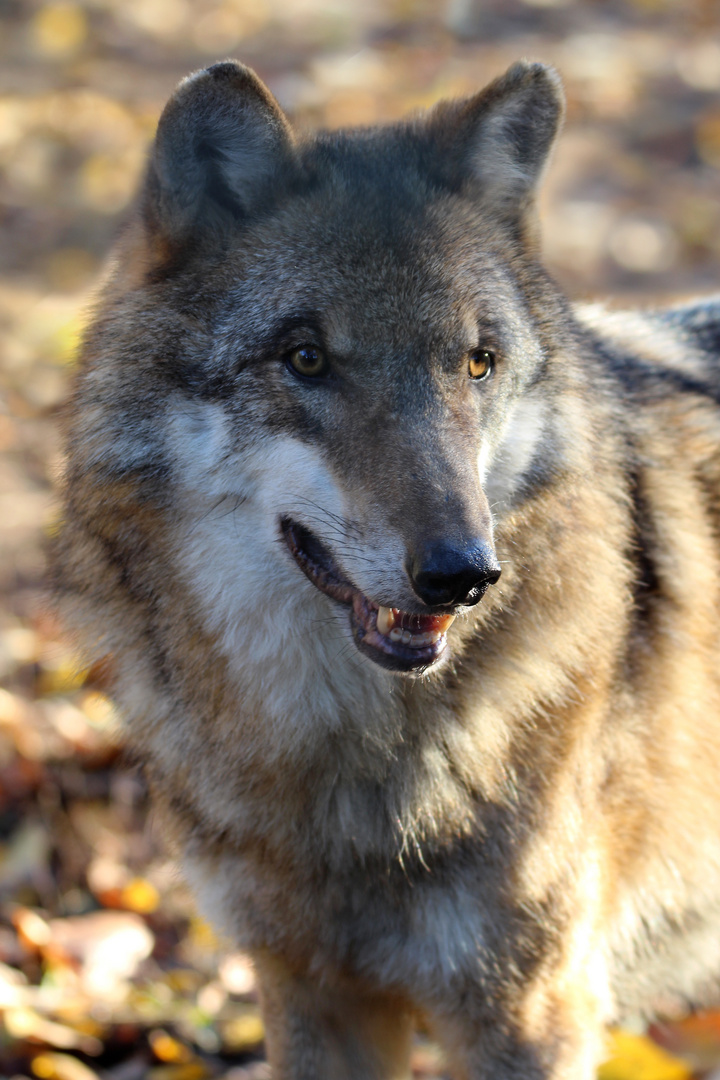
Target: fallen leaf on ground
x,y
166,1048
635,1057
697,1038
26,1023
243,1032
61,1067
193,1070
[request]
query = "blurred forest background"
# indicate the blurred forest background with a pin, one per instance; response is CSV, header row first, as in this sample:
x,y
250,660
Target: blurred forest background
x,y
104,968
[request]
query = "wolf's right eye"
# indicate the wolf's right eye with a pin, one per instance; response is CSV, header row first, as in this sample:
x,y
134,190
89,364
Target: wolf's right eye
x,y
308,361
480,363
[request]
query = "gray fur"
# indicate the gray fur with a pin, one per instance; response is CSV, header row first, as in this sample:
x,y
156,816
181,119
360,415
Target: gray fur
x,y
499,845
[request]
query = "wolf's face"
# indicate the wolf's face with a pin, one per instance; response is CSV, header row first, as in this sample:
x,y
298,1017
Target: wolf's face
x,y
370,345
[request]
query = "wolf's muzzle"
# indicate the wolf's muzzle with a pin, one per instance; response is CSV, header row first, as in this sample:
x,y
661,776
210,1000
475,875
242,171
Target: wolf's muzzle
x,y
444,575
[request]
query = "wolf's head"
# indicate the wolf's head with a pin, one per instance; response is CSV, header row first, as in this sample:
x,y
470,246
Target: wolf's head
x,y
341,334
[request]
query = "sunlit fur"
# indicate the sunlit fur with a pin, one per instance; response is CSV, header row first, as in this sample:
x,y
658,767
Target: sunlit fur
x,y
519,844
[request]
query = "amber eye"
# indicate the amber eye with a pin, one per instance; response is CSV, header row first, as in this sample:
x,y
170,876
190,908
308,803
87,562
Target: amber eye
x,y
308,361
480,363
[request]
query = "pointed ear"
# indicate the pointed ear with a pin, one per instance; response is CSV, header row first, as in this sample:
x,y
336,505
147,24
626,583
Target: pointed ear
x,y
499,140
221,142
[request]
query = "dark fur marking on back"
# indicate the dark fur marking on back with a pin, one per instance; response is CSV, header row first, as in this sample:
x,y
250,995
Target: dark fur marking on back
x,y
647,380
646,585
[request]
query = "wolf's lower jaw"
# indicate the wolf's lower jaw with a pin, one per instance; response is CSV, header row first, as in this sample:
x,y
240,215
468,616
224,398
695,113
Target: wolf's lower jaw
x,y
394,639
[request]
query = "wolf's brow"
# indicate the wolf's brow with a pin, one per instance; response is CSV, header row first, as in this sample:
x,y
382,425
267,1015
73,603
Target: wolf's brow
x,y
290,328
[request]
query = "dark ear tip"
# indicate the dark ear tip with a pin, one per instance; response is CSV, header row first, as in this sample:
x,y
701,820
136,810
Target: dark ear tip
x,y
537,74
221,141
222,87
232,71
224,69
227,74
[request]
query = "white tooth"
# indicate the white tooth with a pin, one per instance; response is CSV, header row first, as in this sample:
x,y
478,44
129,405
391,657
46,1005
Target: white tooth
x,y
396,634
406,637
385,620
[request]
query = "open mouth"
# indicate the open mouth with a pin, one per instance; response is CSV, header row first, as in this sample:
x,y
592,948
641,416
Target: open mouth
x,y
395,639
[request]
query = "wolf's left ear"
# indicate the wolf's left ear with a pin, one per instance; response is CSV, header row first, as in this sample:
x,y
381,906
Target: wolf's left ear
x,y
500,139
222,143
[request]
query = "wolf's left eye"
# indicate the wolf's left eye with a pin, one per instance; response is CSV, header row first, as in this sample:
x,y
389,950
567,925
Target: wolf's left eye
x,y
308,361
480,363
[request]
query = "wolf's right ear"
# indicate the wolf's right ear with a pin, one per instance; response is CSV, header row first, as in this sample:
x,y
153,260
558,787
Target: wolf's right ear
x,y
221,140
498,141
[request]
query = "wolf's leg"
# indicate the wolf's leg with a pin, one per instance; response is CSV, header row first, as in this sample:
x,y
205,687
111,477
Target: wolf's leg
x,y
331,1033
544,1037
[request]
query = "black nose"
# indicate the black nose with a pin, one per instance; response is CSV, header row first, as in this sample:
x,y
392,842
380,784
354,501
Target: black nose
x,y
447,575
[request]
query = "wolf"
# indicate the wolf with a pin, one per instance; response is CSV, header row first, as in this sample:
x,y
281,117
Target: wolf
x,y
410,570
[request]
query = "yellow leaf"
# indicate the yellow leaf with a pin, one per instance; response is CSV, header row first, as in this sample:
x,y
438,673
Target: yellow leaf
x,y
242,1032
192,1070
201,935
33,929
183,981
139,895
166,1048
99,710
59,29
635,1057
61,1067
62,677
25,1023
